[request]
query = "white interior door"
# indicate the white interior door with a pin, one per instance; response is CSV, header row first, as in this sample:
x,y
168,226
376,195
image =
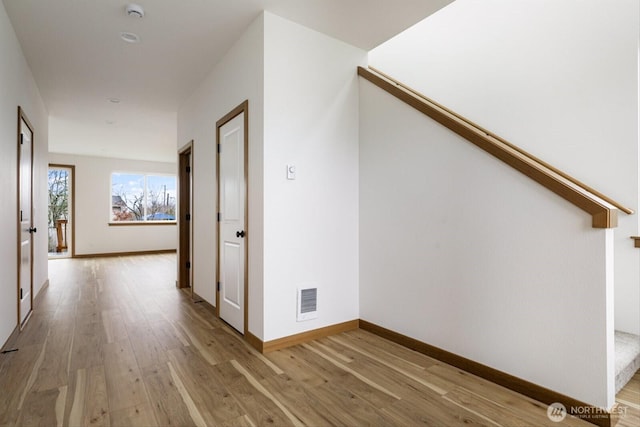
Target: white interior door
x,y
232,193
25,293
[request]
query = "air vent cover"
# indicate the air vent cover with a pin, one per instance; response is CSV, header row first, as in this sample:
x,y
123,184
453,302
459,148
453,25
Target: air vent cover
x,y
307,304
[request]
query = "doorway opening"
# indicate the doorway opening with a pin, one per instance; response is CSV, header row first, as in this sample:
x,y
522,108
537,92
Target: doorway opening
x,y
185,227
60,215
26,227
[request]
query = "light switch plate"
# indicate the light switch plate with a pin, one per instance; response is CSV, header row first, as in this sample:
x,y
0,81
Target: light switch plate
x,y
291,172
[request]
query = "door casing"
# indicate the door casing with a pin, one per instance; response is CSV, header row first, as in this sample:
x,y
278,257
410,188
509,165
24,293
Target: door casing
x,y
242,108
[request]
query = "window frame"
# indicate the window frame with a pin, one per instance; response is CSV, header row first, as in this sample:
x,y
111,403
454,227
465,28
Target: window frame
x,y
142,222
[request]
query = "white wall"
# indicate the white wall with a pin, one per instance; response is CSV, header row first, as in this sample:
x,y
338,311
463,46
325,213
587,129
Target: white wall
x,y
559,79
17,87
303,109
237,77
93,234
311,223
462,252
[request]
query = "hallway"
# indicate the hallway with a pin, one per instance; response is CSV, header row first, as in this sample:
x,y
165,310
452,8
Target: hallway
x,y
113,342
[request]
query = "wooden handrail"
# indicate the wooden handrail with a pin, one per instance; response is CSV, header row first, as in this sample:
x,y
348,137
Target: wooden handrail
x,y
637,241
603,210
489,133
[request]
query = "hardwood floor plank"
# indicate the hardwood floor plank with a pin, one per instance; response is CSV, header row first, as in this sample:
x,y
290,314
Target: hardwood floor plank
x,y
243,421
169,399
345,379
200,339
250,351
194,412
205,386
129,308
368,340
296,368
96,404
409,370
168,335
60,406
260,409
336,353
198,315
39,409
146,348
256,363
296,397
374,352
635,403
353,372
87,400
495,413
37,331
629,403
77,407
256,384
32,374
631,392
53,370
139,415
86,350
349,408
630,418
404,412
123,376
114,327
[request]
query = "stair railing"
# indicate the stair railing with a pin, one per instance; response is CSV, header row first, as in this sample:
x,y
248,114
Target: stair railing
x,y
603,209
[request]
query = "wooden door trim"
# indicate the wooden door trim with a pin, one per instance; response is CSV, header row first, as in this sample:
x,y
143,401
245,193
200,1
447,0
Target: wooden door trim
x,y
73,203
23,117
242,108
185,227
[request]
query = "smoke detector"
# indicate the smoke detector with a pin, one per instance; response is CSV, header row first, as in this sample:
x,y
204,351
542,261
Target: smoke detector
x,y
135,10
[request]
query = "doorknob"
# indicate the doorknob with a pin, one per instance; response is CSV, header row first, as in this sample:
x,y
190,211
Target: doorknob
x,y
240,233
33,230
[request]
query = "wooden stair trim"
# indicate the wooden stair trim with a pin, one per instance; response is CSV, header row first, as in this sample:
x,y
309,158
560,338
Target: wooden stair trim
x,y
603,210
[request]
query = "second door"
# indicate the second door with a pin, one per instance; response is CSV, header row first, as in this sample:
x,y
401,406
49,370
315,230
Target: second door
x,y
232,220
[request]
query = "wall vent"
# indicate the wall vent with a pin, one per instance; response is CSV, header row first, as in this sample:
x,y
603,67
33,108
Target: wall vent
x,y
307,304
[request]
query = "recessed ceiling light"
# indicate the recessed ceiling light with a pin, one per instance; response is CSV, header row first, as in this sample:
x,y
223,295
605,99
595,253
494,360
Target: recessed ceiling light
x,y
114,100
130,37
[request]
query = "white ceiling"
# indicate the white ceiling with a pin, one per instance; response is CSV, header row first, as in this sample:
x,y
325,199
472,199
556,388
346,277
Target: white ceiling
x,y
79,61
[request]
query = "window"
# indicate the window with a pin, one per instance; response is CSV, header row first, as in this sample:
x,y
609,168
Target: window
x,y
142,197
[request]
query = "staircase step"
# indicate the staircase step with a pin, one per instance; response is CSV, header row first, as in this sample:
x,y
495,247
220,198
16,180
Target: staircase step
x,y
627,357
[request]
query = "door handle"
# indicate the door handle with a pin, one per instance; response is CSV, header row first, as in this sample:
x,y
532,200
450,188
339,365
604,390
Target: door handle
x,y
33,230
240,233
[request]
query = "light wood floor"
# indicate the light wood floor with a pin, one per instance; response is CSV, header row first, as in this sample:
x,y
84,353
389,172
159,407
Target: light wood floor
x,y
112,342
